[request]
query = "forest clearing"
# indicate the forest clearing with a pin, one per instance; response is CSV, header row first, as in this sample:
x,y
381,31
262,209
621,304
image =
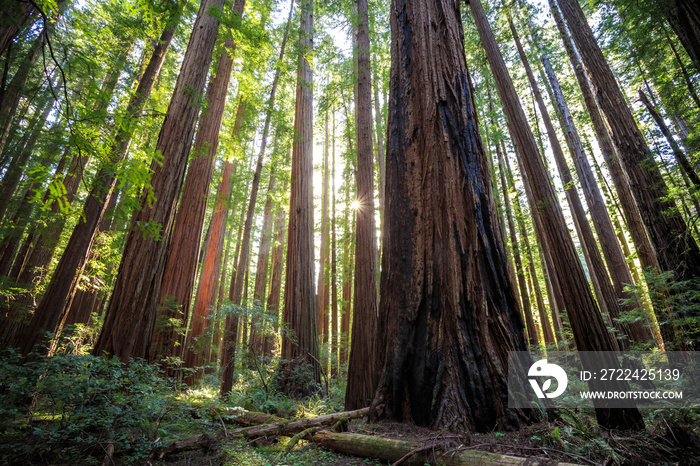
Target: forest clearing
x,y
375,232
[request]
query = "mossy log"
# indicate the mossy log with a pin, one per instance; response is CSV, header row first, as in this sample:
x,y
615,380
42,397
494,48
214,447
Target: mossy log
x,y
393,450
296,426
246,418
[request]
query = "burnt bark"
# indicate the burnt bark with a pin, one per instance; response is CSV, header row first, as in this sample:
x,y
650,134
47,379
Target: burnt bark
x,y
448,313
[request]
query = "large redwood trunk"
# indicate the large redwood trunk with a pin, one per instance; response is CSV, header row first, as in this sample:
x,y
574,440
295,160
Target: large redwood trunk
x,y
131,313
448,311
361,376
196,348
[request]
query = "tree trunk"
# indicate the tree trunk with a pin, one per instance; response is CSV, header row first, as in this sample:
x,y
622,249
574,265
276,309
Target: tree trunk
x,y
131,313
259,329
675,250
414,453
590,332
520,270
179,276
196,347
547,332
322,290
56,303
675,148
361,375
684,18
446,297
334,271
275,293
299,302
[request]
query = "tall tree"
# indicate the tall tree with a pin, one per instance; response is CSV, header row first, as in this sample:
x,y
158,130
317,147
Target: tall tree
x,y
196,347
299,296
446,298
361,376
182,253
590,332
131,313
675,250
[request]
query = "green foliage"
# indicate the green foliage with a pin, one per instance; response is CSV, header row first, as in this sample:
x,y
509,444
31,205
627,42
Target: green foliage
x,y
68,408
676,302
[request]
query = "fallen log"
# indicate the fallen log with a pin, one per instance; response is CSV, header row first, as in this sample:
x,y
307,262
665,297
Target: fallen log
x,y
281,427
296,426
247,418
193,443
414,453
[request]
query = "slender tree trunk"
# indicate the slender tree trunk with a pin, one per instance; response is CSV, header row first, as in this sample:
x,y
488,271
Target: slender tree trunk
x,y
131,313
334,270
196,348
322,290
361,376
13,92
590,332
684,18
299,302
259,329
675,148
675,250
520,270
275,293
15,16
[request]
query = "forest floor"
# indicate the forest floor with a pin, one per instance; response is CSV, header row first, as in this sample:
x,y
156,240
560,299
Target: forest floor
x,y
79,409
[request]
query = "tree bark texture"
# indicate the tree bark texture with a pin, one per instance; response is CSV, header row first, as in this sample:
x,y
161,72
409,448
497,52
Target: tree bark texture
x,y
196,349
131,313
299,297
361,375
590,332
448,313
179,277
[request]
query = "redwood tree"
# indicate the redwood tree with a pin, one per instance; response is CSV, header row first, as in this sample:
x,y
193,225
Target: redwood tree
x,y
590,332
448,314
131,312
299,297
